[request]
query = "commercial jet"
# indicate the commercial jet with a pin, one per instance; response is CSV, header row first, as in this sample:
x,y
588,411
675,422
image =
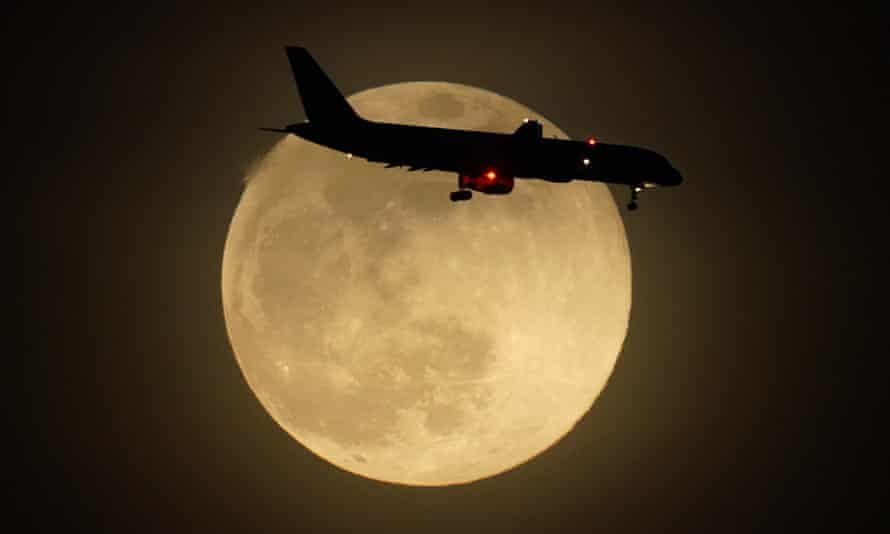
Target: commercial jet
x,y
485,162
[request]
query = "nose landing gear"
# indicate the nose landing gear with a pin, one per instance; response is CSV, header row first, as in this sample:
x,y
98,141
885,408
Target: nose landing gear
x,y
635,194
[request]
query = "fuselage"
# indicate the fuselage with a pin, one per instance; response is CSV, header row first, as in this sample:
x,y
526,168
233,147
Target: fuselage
x,y
468,151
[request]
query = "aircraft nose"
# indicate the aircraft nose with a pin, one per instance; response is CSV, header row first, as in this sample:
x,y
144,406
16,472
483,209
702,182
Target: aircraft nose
x,y
674,177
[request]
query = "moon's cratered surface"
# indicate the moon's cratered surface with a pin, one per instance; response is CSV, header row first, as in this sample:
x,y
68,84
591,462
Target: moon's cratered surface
x,y
413,340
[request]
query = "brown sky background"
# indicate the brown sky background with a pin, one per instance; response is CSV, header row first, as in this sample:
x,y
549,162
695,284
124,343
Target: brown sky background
x,y
750,392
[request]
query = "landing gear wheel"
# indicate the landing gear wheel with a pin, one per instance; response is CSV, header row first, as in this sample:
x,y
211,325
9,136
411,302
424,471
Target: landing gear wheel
x,y
458,196
634,195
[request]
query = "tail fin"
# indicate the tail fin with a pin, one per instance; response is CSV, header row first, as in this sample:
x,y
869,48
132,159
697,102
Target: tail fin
x,y
322,102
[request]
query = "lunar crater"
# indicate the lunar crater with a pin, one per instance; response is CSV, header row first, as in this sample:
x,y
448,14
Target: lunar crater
x,y
440,106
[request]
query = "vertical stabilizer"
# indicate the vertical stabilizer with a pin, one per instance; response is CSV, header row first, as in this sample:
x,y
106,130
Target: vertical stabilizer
x,y
322,102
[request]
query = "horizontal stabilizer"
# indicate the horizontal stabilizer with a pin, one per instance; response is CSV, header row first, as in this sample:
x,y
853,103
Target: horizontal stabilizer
x,y
278,130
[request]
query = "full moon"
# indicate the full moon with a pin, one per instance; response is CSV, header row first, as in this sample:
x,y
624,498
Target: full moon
x,y
409,339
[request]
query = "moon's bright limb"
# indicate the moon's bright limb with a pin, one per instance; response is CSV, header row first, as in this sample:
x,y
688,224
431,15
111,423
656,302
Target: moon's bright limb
x,y
409,339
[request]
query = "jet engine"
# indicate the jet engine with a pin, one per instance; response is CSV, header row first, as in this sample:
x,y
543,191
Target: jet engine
x,y
490,183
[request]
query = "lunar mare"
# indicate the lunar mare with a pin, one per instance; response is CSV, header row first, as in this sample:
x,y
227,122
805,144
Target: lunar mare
x,y
409,339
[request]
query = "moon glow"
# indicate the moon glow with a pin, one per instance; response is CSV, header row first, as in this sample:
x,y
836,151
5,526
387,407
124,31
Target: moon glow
x,y
409,339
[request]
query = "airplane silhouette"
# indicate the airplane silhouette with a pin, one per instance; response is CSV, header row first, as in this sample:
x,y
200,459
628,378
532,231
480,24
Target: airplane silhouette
x,y
486,162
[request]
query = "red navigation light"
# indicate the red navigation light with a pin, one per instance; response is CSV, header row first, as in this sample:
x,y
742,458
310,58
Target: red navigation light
x,y
490,175
591,141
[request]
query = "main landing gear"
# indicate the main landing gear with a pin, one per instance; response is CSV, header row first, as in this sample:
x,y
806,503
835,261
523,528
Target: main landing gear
x,y
461,195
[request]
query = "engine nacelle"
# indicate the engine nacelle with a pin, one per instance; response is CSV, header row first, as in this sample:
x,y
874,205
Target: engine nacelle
x,y
529,131
490,183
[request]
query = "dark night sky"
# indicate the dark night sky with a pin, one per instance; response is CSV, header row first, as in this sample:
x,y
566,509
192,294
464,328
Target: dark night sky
x,y
749,390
